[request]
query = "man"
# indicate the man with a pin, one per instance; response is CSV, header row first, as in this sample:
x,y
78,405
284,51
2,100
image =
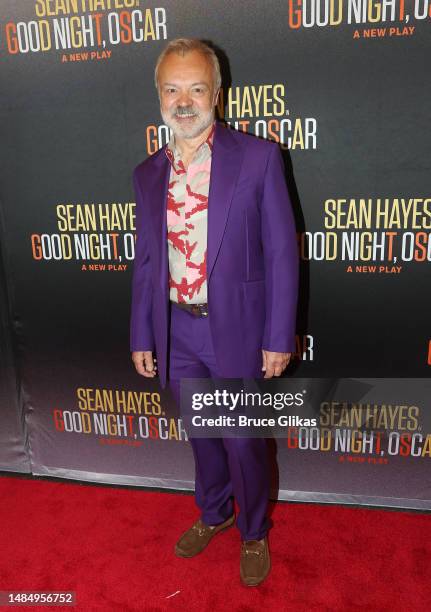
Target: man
x,y
214,285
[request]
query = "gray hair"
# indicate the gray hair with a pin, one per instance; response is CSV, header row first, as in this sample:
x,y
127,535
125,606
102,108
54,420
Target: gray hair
x,y
181,46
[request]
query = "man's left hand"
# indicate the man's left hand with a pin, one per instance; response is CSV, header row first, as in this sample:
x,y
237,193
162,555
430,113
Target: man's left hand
x,y
274,363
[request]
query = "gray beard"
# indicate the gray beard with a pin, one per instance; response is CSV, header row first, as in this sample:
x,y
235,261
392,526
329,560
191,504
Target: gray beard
x,y
202,122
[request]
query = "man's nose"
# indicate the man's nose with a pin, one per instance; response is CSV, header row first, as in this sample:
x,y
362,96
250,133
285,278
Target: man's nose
x,y
184,99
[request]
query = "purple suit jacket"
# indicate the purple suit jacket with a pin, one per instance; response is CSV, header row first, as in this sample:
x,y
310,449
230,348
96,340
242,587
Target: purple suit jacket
x,y
252,256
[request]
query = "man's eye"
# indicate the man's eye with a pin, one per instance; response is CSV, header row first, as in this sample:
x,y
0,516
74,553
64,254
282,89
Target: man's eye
x,y
198,89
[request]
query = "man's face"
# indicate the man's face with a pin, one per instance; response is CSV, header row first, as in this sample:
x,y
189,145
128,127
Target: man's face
x,y
187,93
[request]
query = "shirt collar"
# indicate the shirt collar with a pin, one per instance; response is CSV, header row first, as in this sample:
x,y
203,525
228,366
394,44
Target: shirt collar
x,y
173,153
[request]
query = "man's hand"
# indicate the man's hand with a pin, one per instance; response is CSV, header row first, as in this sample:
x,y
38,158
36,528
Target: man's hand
x,y
274,363
144,363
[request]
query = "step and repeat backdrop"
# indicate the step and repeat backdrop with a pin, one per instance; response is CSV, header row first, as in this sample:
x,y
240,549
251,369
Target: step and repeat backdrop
x,y
343,87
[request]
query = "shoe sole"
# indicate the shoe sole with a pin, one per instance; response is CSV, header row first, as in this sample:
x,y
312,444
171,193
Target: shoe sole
x,y
179,553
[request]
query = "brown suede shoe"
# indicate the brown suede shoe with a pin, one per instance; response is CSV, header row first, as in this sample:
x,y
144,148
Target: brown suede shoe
x,y
195,539
255,561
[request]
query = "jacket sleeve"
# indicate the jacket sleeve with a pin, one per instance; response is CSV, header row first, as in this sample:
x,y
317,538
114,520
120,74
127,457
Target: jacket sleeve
x,y
281,261
141,329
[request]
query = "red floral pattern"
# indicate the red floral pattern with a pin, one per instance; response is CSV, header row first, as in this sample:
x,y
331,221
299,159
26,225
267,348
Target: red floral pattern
x,y
187,208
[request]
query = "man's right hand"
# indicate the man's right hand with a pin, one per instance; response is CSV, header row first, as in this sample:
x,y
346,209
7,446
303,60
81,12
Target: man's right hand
x,y
144,363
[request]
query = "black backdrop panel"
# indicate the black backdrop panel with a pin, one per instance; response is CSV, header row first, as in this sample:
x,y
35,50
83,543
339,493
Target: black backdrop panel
x,y
348,103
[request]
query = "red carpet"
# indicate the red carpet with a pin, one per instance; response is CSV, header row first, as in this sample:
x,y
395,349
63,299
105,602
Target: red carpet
x,y
113,546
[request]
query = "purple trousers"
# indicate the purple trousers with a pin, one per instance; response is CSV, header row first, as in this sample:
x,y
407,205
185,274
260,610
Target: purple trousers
x,y
224,467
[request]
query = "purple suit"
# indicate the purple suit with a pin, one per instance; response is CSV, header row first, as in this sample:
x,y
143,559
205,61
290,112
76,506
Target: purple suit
x,y
252,284
252,262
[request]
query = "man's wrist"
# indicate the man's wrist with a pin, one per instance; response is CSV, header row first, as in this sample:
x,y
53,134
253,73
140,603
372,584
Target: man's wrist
x,y
142,350
278,350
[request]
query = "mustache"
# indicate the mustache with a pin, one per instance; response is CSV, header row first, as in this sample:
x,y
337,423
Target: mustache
x,y
184,110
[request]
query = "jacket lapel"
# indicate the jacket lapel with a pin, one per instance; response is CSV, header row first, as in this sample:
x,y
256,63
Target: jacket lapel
x,y
226,162
158,203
